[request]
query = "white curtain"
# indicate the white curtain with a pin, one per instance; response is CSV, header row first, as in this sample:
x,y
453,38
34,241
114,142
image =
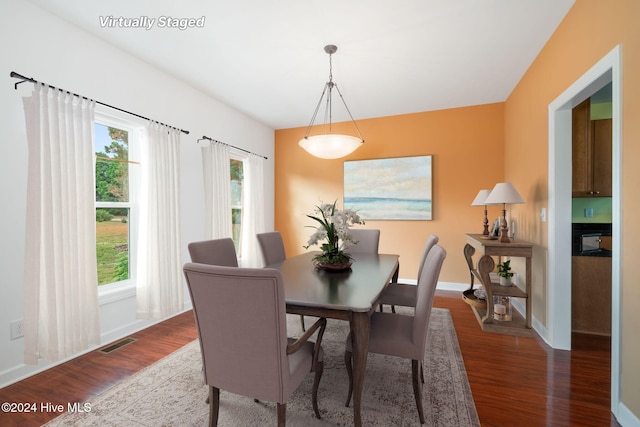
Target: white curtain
x,y
252,211
61,283
159,282
217,190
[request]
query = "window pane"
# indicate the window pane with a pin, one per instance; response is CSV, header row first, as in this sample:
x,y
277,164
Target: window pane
x,y
236,215
112,168
236,183
112,244
237,175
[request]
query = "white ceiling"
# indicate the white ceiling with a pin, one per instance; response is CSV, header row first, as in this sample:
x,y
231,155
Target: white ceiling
x,y
266,58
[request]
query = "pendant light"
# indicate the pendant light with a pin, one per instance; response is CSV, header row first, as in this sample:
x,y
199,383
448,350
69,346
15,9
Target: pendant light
x,y
330,145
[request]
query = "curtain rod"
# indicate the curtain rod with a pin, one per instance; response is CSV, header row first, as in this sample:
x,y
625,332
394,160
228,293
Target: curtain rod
x,y
229,145
29,79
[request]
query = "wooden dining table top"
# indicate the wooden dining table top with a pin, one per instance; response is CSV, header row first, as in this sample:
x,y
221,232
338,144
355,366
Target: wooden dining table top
x,y
355,289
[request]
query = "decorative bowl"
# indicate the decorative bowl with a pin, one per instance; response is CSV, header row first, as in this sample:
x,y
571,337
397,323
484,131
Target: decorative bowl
x,y
333,267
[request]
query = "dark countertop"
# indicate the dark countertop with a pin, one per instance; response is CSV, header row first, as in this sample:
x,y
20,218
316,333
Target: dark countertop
x,y
599,252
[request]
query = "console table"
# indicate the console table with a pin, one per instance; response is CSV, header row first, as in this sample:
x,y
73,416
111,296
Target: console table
x,y
488,248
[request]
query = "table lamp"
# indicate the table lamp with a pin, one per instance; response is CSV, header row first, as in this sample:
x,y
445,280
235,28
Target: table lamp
x,y
504,193
480,201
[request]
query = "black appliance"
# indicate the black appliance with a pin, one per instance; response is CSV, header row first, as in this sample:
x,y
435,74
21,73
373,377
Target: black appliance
x,y
586,239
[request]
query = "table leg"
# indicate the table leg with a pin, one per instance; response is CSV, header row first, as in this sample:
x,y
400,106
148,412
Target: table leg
x,y
360,325
396,274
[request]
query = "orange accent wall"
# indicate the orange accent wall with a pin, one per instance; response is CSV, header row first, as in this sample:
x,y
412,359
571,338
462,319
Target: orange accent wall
x,y
468,155
590,30
475,147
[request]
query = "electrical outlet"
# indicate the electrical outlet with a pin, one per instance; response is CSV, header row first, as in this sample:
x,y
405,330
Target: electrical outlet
x,y
17,329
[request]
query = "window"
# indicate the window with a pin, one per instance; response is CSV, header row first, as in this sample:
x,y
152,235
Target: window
x,y
114,207
237,177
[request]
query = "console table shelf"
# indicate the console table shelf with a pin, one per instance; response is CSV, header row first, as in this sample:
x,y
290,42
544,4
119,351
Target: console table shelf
x,y
488,248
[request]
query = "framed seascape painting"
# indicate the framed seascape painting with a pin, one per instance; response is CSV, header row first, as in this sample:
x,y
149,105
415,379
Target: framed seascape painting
x,y
395,189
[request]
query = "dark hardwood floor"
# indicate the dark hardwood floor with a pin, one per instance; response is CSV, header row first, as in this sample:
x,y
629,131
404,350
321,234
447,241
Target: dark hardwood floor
x,y
515,381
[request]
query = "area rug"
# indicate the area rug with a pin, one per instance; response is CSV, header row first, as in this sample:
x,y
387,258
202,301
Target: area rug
x,y
171,392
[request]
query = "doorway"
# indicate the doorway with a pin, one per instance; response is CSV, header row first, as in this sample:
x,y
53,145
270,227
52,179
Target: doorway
x,y
607,70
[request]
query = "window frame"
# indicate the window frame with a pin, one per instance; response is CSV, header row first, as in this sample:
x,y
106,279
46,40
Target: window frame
x,y
115,291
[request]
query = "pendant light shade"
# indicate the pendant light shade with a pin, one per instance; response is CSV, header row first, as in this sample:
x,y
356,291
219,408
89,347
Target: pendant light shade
x,y
330,145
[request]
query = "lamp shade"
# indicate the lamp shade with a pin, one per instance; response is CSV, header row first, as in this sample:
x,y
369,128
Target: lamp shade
x,y
504,192
330,146
480,198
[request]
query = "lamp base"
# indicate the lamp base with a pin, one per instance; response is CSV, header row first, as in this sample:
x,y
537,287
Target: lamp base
x,y
485,222
504,234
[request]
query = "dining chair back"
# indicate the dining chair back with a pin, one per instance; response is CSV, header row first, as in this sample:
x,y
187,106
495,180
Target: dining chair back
x,y
214,252
404,294
272,247
364,241
242,326
431,242
405,336
427,283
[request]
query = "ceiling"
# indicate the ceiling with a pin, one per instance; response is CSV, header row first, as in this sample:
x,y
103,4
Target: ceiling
x,y
267,59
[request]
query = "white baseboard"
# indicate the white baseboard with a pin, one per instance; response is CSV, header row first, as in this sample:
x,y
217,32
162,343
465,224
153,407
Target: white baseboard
x,y
444,286
452,286
22,371
627,418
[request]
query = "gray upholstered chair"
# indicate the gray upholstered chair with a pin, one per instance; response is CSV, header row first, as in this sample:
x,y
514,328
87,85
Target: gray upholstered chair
x,y
272,248
241,319
214,252
404,294
405,336
364,241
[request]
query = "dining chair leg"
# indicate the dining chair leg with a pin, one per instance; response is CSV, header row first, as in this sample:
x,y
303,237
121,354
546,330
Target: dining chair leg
x,y
314,391
282,414
302,322
348,364
214,406
417,387
422,372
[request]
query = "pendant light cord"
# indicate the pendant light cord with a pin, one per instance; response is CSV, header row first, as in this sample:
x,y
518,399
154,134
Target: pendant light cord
x,y
328,109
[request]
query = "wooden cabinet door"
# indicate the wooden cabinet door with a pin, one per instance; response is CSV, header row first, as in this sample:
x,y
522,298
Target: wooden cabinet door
x,y
591,153
602,137
581,151
591,295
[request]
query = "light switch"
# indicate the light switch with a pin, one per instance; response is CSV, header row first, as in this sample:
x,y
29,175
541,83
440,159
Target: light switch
x,y
588,212
543,214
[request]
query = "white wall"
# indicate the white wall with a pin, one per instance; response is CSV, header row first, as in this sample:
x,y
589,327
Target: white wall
x,y
39,45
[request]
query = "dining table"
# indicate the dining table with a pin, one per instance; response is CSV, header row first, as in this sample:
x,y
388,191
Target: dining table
x,y
349,295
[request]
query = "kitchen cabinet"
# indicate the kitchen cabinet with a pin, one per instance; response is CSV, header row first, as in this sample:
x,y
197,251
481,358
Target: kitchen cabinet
x,y
591,153
591,295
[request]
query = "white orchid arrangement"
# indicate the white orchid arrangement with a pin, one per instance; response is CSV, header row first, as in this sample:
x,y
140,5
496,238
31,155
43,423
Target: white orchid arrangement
x,y
334,228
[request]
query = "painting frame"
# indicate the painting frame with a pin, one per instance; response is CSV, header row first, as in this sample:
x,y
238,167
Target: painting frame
x,y
397,188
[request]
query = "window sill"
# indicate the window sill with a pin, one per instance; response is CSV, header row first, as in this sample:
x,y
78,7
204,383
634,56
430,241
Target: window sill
x,y
116,292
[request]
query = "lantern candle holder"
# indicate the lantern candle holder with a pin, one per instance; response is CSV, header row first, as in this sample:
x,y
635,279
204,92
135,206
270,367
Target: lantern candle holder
x,y
502,308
